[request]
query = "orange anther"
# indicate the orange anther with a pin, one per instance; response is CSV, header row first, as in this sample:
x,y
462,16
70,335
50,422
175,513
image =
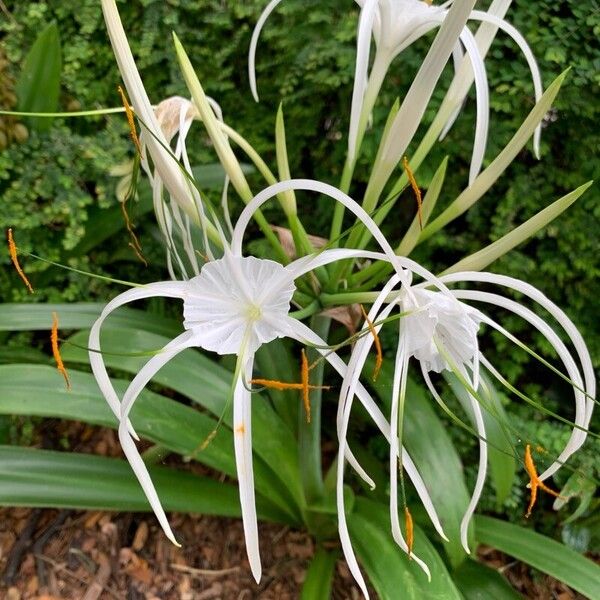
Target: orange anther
x,y
534,481
130,120
12,250
240,429
56,352
304,386
415,188
379,357
410,533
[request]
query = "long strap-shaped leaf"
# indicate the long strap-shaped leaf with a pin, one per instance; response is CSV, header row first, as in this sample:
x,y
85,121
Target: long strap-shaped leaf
x,y
541,552
31,477
35,390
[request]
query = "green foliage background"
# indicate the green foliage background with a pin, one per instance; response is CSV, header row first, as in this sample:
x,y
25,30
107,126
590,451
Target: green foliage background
x,y
55,185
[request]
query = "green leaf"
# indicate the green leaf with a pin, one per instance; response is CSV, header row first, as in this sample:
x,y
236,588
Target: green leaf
x,y
479,582
484,257
273,361
488,177
39,391
503,465
80,315
38,85
44,478
205,382
319,576
541,552
436,458
288,198
390,570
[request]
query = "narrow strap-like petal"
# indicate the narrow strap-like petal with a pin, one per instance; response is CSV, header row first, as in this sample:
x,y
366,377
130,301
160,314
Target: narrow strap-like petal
x,y
566,323
481,473
482,101
578,434
322,188
242,438
254,43
180,343
363,46
166,288
304,334
156,143
514,33
483,460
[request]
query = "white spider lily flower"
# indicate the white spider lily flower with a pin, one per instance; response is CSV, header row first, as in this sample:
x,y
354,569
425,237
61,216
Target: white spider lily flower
x,y
233,306
440,331
168,168
395,25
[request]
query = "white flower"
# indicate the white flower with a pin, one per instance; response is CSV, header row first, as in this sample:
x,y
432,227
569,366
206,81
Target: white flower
x,y
434,317
233,306
238,301
440,332
395,25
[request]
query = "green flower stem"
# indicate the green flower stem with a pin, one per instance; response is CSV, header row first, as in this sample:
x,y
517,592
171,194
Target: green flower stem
x,y
346,298
338,213
307,311
309,434
378,72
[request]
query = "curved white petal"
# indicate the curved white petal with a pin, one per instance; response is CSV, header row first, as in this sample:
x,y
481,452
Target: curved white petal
x,y
578,436
417,98
168,289
536,295
305,335
398,394
457,58
363,46
242,438
315,186
482,100
254,42
180,343
513,32
482,471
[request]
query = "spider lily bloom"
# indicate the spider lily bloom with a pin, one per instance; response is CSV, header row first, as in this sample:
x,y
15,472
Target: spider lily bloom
x,y
395,25
157,144
233,306
439,331
175,116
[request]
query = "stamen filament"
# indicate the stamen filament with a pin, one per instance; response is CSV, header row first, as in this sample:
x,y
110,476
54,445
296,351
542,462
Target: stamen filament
x,y
56,351
534,481
12,250
415,189
379,357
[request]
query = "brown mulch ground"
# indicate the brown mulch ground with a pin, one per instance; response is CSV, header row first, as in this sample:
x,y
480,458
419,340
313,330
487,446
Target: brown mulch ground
x,y
74,555
69,555
104,556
